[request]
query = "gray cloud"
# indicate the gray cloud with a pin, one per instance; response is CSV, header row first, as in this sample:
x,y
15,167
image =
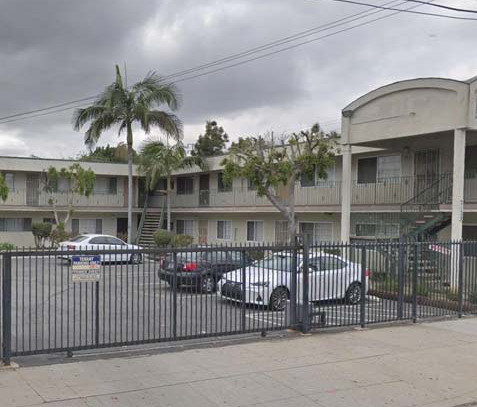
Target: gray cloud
x,y
55,50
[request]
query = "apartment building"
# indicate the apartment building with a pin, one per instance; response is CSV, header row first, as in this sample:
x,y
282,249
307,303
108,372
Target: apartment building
x,y
104,211
408,165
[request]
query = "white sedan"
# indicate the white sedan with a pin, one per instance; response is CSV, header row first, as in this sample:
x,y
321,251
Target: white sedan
x,y
101,242
268,281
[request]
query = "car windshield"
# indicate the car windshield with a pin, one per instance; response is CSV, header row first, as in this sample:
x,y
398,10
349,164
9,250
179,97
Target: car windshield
x,y
277,262
79,238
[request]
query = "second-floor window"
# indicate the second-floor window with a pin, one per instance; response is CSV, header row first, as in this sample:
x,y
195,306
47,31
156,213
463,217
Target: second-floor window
x,y
313,180
221,185
379,169
185,185
9,180
105,186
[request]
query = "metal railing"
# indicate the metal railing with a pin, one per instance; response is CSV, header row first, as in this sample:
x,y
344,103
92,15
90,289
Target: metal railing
x,y
35,198
112,297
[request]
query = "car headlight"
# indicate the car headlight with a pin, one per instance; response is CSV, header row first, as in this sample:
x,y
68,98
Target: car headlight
x,y
260,284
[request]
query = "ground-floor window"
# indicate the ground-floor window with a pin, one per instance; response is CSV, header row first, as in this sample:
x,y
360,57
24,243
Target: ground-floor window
x,y
377,230
317,232
15,224
185,227
255,231
281,231
224,229
79,226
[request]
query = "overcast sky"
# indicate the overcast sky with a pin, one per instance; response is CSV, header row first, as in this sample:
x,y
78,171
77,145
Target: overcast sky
x,y
54,51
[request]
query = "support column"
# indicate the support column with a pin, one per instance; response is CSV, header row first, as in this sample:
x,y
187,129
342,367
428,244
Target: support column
x,y
457,202
458,184
346,193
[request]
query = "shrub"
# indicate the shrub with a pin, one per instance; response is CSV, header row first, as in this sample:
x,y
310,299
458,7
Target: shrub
x,y
182,240
452,294
379,276
163,238
473,297
59,234
41,233
123,236
7,246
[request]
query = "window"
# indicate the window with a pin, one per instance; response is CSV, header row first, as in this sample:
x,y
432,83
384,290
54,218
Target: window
x,y
379,169
221,185
281,231
317,232
377,230
185,227
10,181
49,220
113,186
15,224
185,186
365,229
160,187
86,226
255,231
63,185
313,180
99,240
224,229
331,263
105,186
251,186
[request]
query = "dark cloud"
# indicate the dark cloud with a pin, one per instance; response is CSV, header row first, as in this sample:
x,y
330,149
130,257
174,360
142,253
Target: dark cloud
x,y
55,50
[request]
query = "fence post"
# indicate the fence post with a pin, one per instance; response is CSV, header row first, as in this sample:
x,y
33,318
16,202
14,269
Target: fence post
x,y
461,279
7,308
400,307
96,312
244,292
174,296
305,314
362,303
293,284
414,282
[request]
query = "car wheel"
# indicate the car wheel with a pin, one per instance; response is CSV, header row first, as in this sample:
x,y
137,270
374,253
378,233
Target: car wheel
x,y
136,258
208,284
353,293
279,298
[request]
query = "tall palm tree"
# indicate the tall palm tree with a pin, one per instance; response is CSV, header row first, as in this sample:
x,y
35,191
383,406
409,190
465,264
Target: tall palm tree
x,y
158,160
125,106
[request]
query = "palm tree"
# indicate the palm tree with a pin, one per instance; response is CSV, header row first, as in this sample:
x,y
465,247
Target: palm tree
x,y
125,106
158,160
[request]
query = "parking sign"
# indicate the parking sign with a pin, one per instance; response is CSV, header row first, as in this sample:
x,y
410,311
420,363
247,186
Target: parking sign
x,y
86,268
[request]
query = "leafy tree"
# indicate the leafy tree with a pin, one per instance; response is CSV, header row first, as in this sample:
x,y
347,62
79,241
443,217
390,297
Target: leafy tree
x,y
159,160
79,181
3,188
213,142
123,106
109,154
273,167
41,232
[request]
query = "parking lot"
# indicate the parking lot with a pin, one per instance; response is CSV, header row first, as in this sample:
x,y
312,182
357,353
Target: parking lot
x,y
131,305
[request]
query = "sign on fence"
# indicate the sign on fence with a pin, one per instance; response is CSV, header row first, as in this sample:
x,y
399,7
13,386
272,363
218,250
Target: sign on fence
x,y
85,268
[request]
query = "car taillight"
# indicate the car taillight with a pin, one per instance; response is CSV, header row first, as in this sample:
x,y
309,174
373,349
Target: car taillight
x,y
368,273
71,247
189,267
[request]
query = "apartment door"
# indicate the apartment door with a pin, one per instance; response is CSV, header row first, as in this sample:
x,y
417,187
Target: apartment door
x,y
204,190
203,231
426,171
33,189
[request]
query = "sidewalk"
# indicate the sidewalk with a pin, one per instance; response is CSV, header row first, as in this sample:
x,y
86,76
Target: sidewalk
x,y
431,364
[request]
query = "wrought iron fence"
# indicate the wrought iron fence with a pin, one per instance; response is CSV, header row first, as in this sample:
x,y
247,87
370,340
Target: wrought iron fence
x,y
71,300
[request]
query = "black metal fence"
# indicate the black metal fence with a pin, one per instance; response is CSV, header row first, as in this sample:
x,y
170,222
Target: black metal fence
x,y
60,301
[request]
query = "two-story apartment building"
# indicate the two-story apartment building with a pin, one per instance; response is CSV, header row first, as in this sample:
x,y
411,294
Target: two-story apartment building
x,y
408,165
104,211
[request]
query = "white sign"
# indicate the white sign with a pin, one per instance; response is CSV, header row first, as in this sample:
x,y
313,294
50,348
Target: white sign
x,y
86,268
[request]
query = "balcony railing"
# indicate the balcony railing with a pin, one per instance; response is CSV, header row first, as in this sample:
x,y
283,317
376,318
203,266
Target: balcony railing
x,y
38,198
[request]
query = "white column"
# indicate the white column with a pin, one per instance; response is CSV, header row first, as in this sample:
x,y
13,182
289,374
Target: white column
x,y
346,193
458,184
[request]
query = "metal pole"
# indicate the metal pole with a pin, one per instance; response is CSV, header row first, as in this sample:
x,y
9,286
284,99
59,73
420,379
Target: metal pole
x,y
7,308
174,297
293,285
96,312
362,303
305,313
400,310
244,291
461,279
414,282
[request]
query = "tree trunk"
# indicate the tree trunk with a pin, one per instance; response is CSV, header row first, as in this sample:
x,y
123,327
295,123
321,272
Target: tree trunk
x,y
168,203
291,208
130,180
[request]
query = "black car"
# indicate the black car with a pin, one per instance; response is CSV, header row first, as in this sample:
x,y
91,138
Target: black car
x,y
201,270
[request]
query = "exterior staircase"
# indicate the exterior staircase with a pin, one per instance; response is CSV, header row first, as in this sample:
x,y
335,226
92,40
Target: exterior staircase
x,y
150,223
